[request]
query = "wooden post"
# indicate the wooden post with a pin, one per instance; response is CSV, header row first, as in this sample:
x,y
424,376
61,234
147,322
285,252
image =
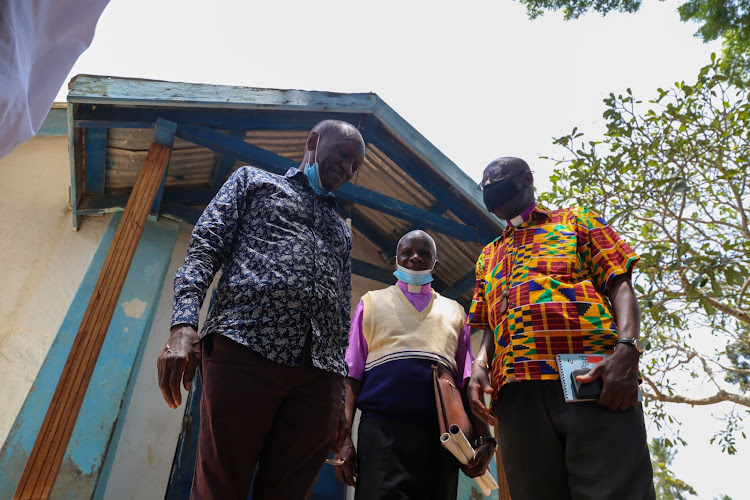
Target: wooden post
x,y
49,448
503,492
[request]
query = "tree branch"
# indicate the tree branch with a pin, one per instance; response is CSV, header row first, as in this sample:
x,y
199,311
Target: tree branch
x,y
736,313
709,400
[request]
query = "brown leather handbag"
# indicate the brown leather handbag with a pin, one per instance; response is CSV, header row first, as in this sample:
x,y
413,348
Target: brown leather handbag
x,y
450,403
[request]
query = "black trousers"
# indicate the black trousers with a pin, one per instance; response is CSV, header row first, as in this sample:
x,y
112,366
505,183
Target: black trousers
x,y
256,412
403,461
557,450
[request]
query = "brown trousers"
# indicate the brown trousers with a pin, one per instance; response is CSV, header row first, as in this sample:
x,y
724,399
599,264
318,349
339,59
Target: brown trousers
x,y
255,412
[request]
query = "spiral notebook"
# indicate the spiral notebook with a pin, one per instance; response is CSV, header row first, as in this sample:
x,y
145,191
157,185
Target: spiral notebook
x,y
566,363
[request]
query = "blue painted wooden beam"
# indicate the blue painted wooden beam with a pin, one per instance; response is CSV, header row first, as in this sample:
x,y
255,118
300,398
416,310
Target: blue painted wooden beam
x,y
96,156
441,189
436,208
164,131
182,213
96,432
466,282
373,272
440,166
92,205
223,167
115,90
262,158
75,161
122,116
386,243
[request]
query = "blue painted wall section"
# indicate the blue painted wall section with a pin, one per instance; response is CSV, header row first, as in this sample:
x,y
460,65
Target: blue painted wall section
x,y
105,400
468,489
56,123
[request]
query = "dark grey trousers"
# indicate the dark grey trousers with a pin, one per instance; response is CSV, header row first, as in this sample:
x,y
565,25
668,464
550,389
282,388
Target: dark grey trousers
x,y
557,450
403,461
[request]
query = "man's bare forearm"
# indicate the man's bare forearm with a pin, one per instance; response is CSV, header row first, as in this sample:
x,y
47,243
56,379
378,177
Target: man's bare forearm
x,y
353,387
625,307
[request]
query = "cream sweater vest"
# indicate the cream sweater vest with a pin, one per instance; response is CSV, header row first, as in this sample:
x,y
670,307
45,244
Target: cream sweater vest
x,y
394,329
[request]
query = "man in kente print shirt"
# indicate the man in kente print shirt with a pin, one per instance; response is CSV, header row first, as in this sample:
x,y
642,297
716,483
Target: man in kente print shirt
x,y
558,282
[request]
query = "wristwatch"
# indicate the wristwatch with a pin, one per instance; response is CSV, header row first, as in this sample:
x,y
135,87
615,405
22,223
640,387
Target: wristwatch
x,y
485,439
634,342
484,362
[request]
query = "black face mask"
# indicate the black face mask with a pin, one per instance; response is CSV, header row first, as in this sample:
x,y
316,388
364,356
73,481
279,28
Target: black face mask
x,y
497,194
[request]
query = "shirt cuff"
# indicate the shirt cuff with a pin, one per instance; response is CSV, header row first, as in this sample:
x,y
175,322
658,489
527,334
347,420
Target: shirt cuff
x,y
186,312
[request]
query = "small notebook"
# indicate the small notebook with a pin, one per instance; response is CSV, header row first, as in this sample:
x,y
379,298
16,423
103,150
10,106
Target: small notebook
x,y
566,363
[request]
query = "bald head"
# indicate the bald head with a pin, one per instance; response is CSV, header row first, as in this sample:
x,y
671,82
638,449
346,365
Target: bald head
x,y
416,250
505,166
338,149
422,237
339,128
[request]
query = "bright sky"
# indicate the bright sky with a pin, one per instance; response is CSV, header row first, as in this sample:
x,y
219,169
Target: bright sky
x,y
477,78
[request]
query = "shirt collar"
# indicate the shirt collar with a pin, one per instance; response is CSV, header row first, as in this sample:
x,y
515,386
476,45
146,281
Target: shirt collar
x,y
522,217
536,212
299,176
426,289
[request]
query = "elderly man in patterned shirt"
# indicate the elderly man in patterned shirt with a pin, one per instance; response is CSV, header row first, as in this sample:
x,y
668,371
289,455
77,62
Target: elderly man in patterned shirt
x,y
271,352
558,282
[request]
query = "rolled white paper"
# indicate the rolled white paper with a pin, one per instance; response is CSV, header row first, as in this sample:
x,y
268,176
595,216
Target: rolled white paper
x,y
490,480
463,444
483,485
450,444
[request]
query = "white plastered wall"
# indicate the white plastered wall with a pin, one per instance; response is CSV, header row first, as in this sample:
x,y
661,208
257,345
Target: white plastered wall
x,y
42,262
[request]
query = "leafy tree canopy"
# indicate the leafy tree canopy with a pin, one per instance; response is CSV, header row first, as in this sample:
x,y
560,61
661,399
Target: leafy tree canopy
x,y
672,177
665,482
726,19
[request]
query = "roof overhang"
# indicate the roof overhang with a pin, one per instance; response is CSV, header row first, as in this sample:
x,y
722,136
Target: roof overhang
x,y
405,183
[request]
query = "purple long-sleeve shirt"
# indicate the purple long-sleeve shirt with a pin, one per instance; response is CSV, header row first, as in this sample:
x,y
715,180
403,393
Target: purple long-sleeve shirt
x,y
356,353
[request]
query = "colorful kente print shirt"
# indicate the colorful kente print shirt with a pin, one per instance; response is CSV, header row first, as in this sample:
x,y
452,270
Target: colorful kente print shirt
x,y
284,254
557,267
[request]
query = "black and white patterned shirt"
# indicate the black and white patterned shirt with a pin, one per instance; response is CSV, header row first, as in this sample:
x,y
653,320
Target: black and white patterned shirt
x,y
286,269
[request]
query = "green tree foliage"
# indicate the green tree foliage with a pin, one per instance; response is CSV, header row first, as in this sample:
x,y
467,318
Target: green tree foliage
x,y
725,19
667,486
672,177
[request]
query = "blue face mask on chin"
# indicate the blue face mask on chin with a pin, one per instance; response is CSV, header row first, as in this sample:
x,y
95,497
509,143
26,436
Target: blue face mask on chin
x,y
413,277
313,178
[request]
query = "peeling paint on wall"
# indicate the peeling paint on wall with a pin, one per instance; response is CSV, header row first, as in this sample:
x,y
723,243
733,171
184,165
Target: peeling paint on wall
x,y
134,308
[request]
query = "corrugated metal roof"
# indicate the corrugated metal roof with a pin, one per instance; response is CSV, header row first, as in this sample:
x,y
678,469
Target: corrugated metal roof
x,y
411,173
